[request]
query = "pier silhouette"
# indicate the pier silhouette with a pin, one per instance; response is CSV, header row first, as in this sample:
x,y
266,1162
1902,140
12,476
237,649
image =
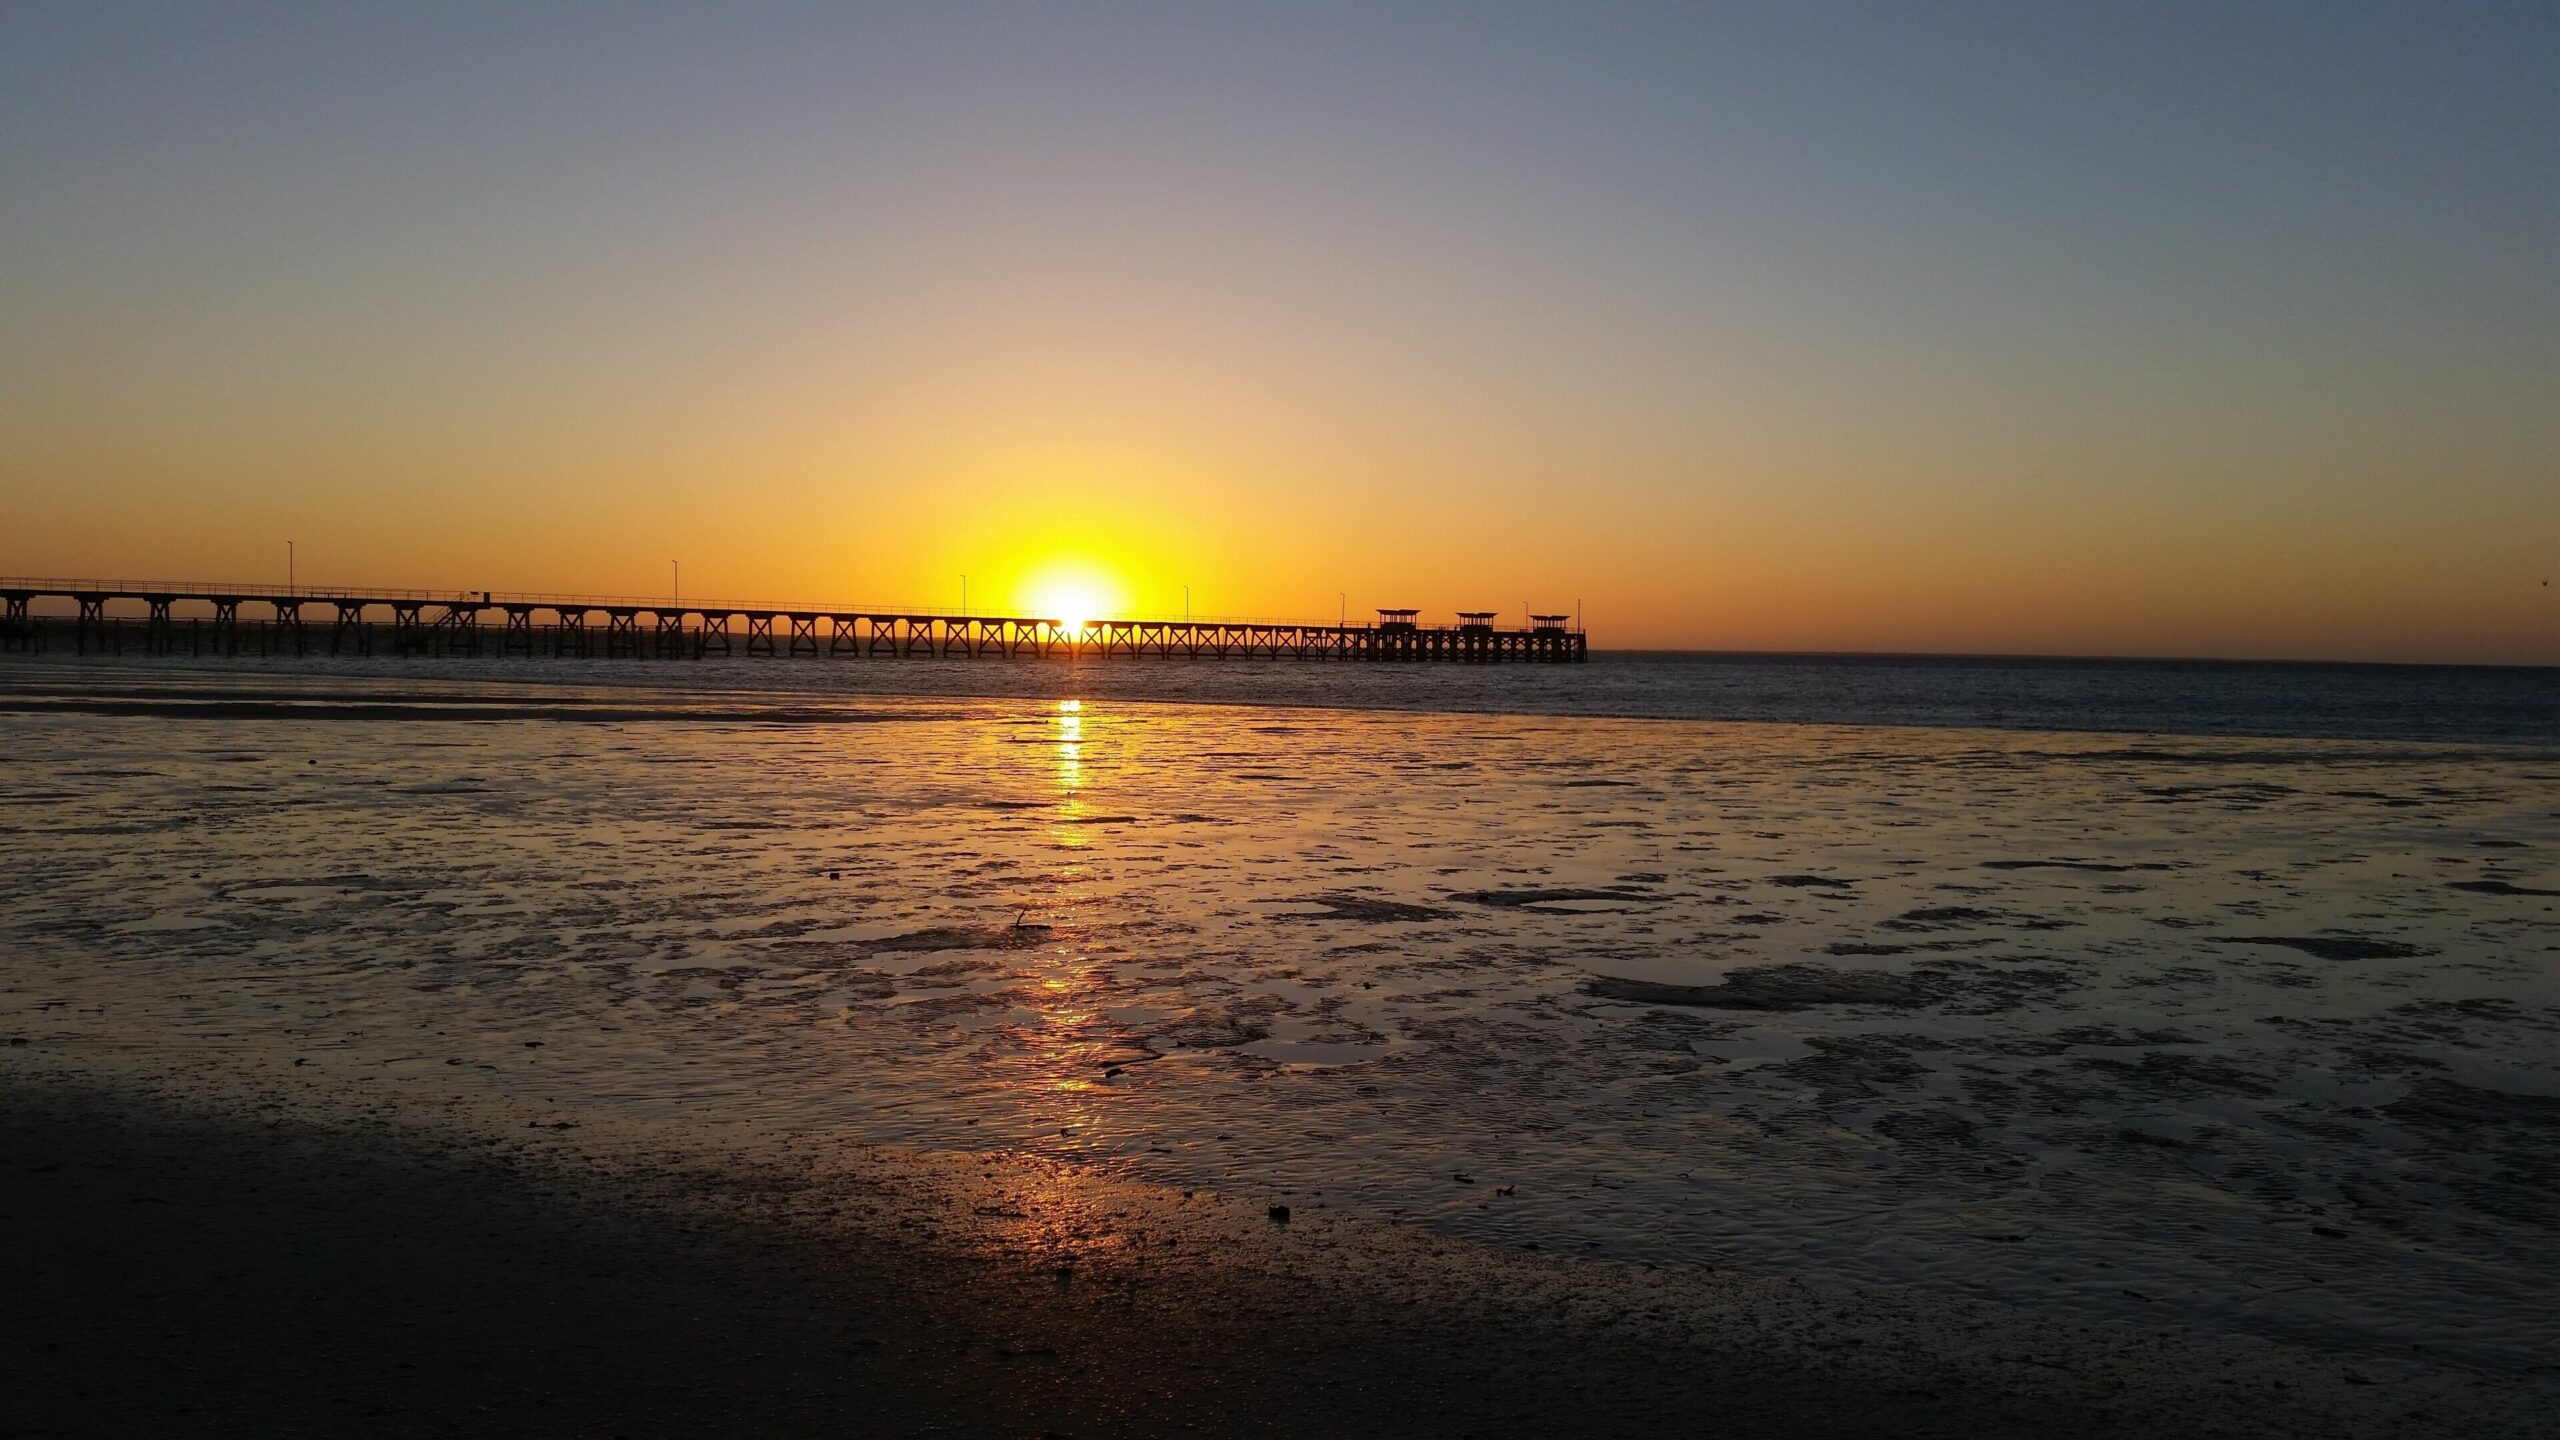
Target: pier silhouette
x,y
204,618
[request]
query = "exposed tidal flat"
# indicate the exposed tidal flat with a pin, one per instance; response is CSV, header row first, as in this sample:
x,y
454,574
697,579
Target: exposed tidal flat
x,y
2184,1057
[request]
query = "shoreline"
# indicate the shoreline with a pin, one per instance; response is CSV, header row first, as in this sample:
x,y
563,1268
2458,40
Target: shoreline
x,y
273,1258
464,697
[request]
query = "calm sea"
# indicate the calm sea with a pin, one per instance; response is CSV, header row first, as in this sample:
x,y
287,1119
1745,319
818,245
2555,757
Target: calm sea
x,y
2475,704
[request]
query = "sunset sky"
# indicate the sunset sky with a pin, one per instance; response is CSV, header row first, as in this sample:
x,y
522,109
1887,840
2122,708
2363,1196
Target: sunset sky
x,y
2215,329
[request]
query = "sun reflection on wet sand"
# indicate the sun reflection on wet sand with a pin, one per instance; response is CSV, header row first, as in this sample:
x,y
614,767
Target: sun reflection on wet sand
x,y
1064,1081
1070,770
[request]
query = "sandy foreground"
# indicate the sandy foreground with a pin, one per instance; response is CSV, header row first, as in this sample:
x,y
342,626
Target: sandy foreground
x,y
443,1077
237,1252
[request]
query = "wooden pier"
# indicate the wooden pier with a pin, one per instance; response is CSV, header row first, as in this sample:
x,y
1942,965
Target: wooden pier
x,y
200,619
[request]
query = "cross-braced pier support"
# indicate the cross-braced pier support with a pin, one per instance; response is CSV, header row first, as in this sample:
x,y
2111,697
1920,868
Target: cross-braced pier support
x,y
461,628
93,620
669,636
712,637
622,634
289,621
408,628
349,625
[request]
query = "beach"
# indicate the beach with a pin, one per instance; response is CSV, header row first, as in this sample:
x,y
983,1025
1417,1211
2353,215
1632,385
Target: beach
x,y
1800,1078
1119,720
227,1258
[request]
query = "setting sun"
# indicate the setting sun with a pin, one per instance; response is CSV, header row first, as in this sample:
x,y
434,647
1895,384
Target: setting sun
x,y
1074,593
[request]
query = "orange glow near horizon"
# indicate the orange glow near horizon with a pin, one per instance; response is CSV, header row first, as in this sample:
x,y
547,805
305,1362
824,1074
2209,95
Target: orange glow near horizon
x,y
1812,340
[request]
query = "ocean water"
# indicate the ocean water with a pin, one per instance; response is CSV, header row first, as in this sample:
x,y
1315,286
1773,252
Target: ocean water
x,y
2217,1016
2508,705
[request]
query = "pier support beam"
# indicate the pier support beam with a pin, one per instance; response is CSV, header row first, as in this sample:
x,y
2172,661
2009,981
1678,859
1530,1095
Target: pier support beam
x,y
622,634
93,611
350,624
461,625
288,621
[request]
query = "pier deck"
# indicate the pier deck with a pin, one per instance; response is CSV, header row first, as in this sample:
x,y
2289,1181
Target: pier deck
x,y
198,618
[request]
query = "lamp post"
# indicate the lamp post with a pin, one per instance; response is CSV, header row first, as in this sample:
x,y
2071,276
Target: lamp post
x,y
288,567
1186,604
964,597
675,568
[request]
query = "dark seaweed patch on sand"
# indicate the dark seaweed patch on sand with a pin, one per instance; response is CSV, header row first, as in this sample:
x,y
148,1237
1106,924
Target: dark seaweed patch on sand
x,y
2174,1075
1548,902
2332,947
2118,1035
2103,867
1359,907
967,937
2500,887
1940,917
2243,793
1964,917
1772,987
1848,1068
2436,1103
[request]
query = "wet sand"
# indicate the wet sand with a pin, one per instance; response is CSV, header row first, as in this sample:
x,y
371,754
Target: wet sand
x,y
1845,1080
263,1260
